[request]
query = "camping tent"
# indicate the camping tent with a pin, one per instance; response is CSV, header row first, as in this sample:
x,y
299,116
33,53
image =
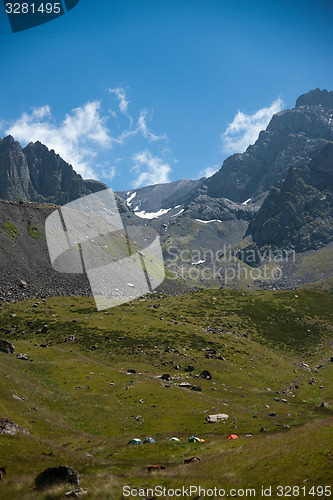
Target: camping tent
x,y
149,440
135,441
194,439
175,440
233,436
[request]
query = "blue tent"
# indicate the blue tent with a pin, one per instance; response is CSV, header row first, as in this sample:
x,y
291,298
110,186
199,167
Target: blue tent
x,y
149,440
135,441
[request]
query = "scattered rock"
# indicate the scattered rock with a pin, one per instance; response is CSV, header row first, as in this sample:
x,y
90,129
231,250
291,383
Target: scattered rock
x,y
25,357
70,338
272,414
57,475
6,347
189,368
10,427
20,398
196,388
185,384
139,418
76,492
166,377
324,405
212,419
43,345
23,284
131,370
206,374
190,460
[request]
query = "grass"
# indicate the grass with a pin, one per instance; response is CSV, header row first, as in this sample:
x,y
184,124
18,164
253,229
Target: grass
x,y
79,398
10,228
34,232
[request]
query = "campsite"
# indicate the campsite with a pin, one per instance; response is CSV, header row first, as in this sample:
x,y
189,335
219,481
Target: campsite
x,y
79,396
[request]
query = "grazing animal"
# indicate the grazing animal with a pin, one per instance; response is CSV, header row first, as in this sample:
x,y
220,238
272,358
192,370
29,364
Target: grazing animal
x,y
190,460
3,470
155,467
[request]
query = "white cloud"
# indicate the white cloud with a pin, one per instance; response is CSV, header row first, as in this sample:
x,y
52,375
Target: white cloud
x,y
244,129
151,169
123,102
74,139
142,126
83,136
208,172
108,172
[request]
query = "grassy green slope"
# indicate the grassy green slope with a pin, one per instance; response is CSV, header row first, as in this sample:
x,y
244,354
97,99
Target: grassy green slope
x,y
78,399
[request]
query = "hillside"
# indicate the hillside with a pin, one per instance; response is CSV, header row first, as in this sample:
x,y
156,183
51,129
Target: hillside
x,y
269,358
25,266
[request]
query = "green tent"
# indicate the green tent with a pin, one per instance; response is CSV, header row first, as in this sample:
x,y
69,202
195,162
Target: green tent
x,y
149,440
194,439
135,441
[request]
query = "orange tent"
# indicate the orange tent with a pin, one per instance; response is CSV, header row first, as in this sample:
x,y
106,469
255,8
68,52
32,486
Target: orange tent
x,y
233,436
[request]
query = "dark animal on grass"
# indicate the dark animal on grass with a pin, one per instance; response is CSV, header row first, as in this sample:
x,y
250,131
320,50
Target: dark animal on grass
x,y
3,470
155,467
190,460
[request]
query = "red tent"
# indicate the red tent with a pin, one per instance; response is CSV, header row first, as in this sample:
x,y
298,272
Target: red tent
x,y
233,436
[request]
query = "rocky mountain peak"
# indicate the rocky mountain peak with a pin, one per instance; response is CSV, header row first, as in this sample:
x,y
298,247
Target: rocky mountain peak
x,y
316,97
35,173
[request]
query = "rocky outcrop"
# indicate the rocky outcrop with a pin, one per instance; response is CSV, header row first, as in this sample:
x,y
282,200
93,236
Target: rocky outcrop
x,y
298,212
6,347
57,475
9,427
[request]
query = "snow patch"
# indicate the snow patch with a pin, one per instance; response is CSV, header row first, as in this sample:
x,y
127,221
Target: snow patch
x,y
180,211
198,262
152,215
130,198
246,201
207,221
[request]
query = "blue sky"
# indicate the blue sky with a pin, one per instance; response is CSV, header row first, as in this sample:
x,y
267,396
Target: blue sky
x,y
135,92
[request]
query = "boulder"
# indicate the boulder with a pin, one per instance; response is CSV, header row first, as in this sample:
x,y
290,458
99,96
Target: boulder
x,y
6,347
166,377
189,368
57,475
212,419
206,374
191,460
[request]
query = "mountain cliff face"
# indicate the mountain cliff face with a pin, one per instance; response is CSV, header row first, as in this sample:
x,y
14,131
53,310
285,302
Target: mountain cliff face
x,y
298,212
292,138
34,173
